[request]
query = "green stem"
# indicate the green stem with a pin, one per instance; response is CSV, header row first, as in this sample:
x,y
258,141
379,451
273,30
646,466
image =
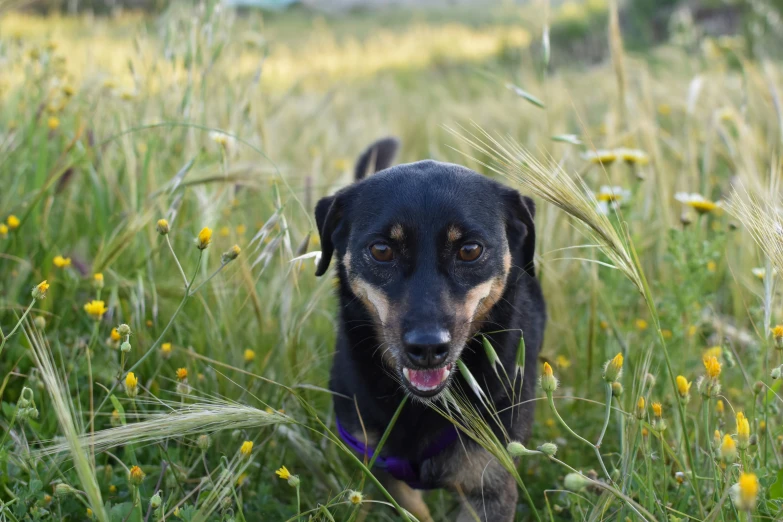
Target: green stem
x,y
607,414
573,433
181,271
386,433
648,297
18,324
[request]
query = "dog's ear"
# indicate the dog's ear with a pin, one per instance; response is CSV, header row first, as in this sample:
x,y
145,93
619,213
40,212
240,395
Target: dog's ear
x,y
378,156
328,219
521,228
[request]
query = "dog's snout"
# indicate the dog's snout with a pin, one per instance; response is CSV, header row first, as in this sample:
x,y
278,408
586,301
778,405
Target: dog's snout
x,y
427,348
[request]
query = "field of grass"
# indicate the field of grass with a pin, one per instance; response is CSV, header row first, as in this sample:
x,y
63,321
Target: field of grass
x,y
240,123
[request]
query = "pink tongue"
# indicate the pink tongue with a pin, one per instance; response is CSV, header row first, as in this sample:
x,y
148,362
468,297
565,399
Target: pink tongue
x,y
427,378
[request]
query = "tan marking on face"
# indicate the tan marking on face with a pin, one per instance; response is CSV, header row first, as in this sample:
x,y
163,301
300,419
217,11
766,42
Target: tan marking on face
x,y
482,298
372,297
453,234
397,233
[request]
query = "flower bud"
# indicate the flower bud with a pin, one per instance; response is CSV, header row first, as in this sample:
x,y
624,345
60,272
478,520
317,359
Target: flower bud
x,y
62,490
548,380
728,449
125,347
39,290
163,227
617,389
135,475
97,280
641,410
204,238
549,449
293,481
124,330
155,501
230,254
576,482
40,322
204,442
613,368
517,449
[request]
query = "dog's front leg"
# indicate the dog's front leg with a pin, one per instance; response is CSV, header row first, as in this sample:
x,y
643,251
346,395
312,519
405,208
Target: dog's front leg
x,y
488,492
408,498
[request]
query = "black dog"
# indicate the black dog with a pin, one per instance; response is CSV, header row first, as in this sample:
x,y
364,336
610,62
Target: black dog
x,y
428,256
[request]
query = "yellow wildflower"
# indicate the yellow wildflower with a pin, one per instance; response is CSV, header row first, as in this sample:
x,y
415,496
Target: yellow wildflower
x,y
204,238
225,231
641,324
89,513
162,227
39,290
601,156
135,475
613,368
667,334
165,350
61,262
283,473
182,374
745,492
3,230
683,386
241,229
249,355
728,450
247,448
719,407
131,384
743,431
777,334
711,266
112,489
53,123
697,202
115,335
640,408
657,409
548,380
712,366
13,222
95,309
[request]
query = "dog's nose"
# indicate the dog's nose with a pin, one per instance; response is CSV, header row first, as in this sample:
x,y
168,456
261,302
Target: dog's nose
x,y
427,348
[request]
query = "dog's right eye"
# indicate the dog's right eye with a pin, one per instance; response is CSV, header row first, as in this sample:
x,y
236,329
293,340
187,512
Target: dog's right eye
x,y
381,252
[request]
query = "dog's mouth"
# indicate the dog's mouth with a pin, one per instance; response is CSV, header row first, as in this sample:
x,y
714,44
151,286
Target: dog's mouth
x,y
427,383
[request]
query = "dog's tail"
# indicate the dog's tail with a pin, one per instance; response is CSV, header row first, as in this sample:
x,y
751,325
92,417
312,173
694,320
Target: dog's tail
x,y
378,156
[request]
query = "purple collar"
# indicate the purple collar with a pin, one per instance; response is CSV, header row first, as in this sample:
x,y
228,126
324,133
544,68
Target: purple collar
x,y
402,469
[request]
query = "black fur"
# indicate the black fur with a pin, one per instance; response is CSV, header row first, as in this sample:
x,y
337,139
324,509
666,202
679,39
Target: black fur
x,y
426,284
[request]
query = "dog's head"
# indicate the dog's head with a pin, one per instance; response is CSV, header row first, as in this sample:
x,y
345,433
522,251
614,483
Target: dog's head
x,y
428,248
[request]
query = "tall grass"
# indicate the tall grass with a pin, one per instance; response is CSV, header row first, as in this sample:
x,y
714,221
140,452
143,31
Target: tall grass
x,y
239,124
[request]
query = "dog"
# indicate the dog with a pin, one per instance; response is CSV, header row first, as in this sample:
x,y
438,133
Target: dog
x,y
430,256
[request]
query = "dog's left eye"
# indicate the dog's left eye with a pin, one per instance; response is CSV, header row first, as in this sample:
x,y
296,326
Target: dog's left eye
x,y
470,252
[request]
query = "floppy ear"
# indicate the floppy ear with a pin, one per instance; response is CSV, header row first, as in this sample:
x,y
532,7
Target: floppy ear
x,y
521,228
378,156
328,218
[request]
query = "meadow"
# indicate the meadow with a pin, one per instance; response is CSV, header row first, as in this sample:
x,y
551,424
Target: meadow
x,y
165,345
